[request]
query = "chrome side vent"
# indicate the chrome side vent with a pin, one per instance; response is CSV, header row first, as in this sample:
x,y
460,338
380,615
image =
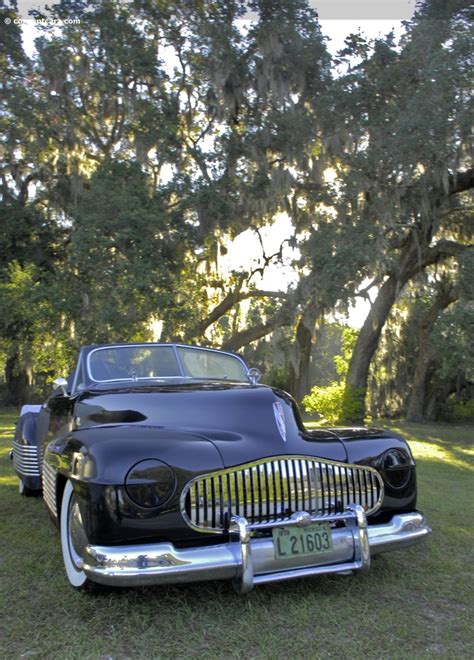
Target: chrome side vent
x,y
273,489
25,459
49,489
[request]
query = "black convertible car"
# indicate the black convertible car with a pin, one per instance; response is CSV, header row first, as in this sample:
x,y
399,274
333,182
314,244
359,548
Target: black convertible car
x,y
167,463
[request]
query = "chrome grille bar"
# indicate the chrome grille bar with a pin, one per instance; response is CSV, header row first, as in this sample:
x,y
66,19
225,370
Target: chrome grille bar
x,y
49,488
273,489
25,459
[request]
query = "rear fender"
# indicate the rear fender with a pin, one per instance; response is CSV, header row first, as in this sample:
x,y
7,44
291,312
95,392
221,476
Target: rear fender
x,y
25,449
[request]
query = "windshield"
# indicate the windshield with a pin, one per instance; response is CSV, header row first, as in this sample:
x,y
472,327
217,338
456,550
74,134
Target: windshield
x,y
163,362
199,363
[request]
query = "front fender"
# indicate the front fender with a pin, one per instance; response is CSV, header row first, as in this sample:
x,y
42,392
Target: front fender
x,y
368,447
97,461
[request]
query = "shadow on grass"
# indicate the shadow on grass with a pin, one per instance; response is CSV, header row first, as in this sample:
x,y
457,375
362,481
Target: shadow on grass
x,y
453,444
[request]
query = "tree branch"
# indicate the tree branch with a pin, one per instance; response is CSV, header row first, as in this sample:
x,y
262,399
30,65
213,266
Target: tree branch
x,y
442,250
231,299
364,293
249,335
284,316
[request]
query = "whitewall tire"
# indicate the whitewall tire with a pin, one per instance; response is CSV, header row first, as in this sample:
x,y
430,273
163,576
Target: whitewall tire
x,y
73,538
24,490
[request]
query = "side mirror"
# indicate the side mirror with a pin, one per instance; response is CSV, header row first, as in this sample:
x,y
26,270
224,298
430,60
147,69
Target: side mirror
x,y
62,384
254,375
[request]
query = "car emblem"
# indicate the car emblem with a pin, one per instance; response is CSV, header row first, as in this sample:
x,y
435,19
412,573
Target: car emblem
x,y
280,419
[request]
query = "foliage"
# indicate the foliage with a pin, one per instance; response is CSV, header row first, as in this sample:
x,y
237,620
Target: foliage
x,y
145,166
452,342
32,329
349,338
116,279
332,402
459,411
136,146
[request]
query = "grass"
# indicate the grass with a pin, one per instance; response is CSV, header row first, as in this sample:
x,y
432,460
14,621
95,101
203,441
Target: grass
x,y
414,603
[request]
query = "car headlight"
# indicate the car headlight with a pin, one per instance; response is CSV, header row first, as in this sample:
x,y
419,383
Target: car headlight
x,y
150,483
396,468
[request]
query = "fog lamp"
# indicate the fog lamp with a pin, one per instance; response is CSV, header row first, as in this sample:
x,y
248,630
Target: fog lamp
x,y
150,483
396,466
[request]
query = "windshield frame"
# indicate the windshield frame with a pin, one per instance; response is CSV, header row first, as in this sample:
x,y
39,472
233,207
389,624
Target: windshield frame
x,y
164,379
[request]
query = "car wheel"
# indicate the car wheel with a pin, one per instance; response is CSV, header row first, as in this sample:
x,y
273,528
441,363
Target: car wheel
x,y
73,540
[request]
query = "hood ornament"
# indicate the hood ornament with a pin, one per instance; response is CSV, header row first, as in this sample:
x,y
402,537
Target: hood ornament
x,y
280,419
254,375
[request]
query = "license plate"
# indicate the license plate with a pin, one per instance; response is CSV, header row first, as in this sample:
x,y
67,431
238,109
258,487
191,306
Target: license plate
x,y
293,541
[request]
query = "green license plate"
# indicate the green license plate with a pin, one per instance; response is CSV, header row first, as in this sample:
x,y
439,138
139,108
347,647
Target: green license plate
x,y
295,541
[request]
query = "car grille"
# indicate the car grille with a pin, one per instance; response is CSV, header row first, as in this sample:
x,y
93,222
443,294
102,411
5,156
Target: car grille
x,y
273,489
25,459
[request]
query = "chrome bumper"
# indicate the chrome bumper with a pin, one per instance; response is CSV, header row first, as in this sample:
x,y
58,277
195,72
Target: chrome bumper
x,y
247,560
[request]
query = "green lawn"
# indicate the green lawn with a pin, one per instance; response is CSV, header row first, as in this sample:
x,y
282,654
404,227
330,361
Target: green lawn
x,y
417,602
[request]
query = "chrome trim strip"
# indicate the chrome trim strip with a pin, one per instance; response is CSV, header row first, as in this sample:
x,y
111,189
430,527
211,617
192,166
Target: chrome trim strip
x,y
162,563
49,488
25,459
175,351
295,519
76,375
271,489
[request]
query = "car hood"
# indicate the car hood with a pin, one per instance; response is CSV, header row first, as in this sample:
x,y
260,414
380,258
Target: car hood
x,y
243,422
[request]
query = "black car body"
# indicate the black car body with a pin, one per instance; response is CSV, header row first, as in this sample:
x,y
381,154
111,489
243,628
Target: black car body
x,y
168,463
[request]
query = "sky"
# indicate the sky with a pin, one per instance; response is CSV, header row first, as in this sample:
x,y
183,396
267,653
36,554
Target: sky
x,y
356,10
338,18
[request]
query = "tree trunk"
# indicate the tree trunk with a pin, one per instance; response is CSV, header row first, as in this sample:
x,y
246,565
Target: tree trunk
x,y
304,346
438,397
365,347
416,402
414,258
417,398
17,382
304,342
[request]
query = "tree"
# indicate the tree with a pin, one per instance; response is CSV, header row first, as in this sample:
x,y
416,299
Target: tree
x,y
218,134
136,146
445,296
125,260
424,352
405,120
30,241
